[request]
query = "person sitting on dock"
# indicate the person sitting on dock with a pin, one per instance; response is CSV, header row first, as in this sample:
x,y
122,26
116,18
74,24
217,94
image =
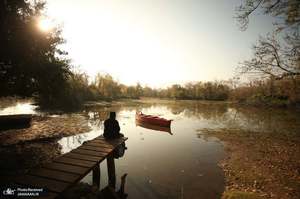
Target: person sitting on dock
x,y
111,127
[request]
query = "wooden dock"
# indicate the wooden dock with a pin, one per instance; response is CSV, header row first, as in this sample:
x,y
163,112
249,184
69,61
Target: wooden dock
x,y
68,169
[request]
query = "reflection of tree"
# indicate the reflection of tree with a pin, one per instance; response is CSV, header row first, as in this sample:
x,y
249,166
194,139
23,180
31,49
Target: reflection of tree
x,y
207,111
79,138
200,110
249,118
12,102
271,120
97,115
175,109
232,116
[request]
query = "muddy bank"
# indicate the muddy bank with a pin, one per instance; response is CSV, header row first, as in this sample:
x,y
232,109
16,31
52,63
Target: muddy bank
x,y
23,149
46,127
259,165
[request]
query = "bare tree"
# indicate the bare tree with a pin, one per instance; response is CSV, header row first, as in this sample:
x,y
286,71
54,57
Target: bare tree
x,y
270,59
287,11
272,56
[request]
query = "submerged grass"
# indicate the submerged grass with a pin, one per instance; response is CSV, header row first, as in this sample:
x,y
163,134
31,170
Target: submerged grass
x,y
240,195
259,165
45,128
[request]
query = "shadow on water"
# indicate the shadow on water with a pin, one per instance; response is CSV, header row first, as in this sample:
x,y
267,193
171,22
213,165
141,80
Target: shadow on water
x,y
17,159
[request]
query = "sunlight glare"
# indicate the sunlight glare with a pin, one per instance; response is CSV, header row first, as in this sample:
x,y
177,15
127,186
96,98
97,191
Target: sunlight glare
x,y
142,44
45,25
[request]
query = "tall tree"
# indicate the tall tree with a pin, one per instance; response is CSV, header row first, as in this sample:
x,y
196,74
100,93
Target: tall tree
x,y
30,60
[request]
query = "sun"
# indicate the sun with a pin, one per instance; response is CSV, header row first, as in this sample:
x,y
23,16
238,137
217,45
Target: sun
x,y
45,24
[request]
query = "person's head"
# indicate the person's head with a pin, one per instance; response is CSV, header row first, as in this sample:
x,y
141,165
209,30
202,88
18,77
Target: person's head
x,y
112,115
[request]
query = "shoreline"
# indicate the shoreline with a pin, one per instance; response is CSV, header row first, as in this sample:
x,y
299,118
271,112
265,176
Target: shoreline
x,y
11,100
42,128
258,165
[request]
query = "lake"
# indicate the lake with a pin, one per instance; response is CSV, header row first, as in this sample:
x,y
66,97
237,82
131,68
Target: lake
x,y
182,163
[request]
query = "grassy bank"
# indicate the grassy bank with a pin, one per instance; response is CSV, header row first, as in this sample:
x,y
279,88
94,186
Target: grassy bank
x,y
259,165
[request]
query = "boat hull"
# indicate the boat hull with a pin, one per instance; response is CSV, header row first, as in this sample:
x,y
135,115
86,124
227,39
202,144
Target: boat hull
x,y
154,127
154,120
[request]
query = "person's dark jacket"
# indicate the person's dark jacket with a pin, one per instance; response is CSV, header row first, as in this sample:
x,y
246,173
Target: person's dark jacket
x,y
111,129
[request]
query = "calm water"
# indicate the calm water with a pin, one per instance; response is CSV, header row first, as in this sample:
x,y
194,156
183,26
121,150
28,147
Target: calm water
x,y
183,164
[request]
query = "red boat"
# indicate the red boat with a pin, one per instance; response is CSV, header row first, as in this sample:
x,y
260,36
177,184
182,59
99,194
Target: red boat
x,y
151,119
154,127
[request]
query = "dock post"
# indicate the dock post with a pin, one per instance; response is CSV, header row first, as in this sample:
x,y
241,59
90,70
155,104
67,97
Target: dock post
x,y
111,170
96,175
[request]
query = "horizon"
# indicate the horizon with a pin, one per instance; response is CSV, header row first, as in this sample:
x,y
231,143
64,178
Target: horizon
x,y
134,41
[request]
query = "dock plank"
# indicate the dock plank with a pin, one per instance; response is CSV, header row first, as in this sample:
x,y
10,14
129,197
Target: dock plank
x,y
95,148
103,145
113,142
67,168
122,139
98,154
103,142
55,175
52,185
81,157
108,144
83,163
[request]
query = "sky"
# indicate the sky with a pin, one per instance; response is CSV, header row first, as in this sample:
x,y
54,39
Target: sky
x,y
156,42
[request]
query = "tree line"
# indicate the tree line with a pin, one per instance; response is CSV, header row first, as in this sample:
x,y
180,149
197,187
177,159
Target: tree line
x,y
267,91
104,86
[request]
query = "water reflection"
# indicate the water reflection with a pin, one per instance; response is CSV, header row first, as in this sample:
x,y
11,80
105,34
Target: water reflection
x,y
97,117
18,108
161,166
186,164
71,142
119,152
